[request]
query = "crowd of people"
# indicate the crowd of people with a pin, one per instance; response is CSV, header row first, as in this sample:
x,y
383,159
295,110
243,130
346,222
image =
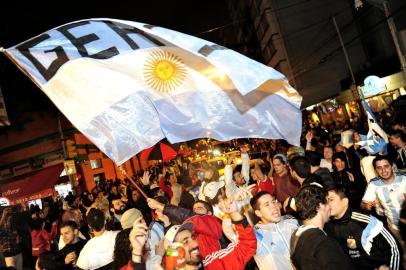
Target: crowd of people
x,y
325,205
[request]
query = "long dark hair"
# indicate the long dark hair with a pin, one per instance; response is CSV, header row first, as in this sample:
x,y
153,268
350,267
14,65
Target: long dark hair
x,y
122,249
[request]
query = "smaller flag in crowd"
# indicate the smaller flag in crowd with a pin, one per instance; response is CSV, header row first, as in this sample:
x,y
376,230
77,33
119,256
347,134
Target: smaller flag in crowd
x,y
376,138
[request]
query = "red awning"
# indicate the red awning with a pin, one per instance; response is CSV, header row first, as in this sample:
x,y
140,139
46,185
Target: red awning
x,y
32,186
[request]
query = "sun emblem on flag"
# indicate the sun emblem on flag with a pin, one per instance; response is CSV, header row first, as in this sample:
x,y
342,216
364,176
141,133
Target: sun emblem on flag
x,y
164,71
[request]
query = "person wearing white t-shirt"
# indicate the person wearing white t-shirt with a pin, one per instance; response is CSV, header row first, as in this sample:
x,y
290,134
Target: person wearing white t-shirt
x,y
98,251
327,161
386,192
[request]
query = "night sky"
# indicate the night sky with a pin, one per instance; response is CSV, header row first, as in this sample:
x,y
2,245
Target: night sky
x,y
20,21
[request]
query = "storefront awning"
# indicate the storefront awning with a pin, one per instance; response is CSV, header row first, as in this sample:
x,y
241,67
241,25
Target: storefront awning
x,y
32,186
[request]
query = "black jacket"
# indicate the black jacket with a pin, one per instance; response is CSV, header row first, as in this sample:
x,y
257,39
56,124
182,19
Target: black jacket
x,y
356,188
314,250
348,232
77,248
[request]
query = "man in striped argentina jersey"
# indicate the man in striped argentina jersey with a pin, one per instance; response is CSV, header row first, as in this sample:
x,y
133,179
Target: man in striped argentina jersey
x,y
386,193
362,237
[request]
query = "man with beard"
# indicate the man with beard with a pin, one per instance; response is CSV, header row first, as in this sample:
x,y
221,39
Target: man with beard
x,y
234,257
70,235
113,194
386,193
76,216
117,207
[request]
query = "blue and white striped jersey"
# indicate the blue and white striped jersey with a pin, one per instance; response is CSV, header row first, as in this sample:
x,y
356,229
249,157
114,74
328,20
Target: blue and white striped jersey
x,y
390,197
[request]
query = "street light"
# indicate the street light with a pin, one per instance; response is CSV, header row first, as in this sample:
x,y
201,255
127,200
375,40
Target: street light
x,y
358,4
384,5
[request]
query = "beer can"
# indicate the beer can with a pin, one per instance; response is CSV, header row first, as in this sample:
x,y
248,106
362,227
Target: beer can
x,y
175,257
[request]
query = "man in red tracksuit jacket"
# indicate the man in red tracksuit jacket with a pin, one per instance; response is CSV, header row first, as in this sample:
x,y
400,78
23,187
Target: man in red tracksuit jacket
x,y
193,235
200,237
234,257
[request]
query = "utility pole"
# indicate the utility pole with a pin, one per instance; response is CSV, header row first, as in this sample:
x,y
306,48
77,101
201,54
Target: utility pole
x,y
347,60
392,28
62,138
72,177
393,31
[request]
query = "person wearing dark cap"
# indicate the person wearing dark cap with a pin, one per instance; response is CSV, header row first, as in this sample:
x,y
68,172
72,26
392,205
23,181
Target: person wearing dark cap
x,y
355,183
98,251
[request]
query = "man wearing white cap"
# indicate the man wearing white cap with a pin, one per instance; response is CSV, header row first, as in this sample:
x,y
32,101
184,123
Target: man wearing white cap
x,y
128,218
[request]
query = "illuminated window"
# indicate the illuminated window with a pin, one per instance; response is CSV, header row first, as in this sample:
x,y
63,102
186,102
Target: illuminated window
x,y
96,163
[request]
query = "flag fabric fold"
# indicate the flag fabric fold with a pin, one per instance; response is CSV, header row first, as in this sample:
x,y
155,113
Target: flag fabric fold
x,y
376,138
127,85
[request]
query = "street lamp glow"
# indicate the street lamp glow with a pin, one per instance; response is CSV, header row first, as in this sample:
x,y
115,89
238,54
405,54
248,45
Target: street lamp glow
x,y
358,4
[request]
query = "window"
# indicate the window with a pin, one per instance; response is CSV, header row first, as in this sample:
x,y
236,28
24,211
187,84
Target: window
x,y
96,163
218,164
99,179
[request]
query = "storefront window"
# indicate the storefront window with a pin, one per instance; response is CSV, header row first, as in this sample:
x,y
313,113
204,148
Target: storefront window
x,y
99,179
382,101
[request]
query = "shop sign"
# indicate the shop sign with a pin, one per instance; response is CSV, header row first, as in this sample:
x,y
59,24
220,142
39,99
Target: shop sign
x,y
373,85
4,121
70,167
4,201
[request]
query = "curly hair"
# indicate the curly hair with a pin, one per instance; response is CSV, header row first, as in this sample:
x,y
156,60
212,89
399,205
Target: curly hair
x,y
308,201
122,249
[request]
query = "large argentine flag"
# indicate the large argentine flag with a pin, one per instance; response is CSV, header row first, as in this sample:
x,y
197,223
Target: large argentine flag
x,y
127,85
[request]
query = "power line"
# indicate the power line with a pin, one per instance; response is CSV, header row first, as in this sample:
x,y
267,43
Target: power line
x,y
329,56
252,18
302,29
327,40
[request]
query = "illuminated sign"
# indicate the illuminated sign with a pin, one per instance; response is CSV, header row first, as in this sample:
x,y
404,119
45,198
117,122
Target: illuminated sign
x,y
373,85
4,201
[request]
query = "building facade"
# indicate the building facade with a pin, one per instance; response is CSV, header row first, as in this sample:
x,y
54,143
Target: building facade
x,y
39,143
299,39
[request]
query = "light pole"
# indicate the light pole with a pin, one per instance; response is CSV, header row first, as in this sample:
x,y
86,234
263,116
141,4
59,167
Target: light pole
x,y
392,27
347,60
